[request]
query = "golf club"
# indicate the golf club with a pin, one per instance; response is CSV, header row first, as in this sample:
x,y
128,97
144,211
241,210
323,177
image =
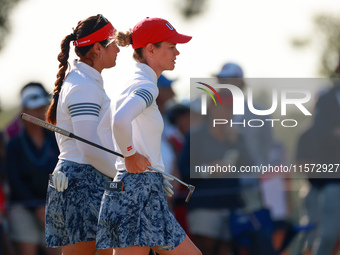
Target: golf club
x,y
61,131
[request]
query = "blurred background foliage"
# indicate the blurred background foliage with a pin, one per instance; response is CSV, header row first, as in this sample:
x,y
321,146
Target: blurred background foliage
x,y
326,33
6,6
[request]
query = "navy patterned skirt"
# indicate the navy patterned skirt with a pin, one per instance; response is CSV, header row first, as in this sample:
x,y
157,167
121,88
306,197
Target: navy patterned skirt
x,y
72,215
138,216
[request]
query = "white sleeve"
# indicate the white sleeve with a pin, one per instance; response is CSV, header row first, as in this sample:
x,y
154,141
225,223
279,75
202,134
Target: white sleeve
x,y
105,133
98,158
131,107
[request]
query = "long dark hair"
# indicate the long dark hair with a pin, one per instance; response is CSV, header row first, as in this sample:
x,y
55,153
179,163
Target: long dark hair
x,y
84,28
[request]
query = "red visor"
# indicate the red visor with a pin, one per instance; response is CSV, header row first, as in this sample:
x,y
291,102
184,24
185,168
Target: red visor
x,y
102,34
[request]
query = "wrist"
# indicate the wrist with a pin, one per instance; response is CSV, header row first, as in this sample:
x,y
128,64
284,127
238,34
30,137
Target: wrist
x,y
130,152
132,156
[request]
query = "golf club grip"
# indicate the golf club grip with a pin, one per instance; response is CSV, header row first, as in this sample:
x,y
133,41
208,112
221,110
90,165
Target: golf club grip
x,y
44,124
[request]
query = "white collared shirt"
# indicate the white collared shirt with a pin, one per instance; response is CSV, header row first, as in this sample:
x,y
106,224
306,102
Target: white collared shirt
x,y
136,122
82,98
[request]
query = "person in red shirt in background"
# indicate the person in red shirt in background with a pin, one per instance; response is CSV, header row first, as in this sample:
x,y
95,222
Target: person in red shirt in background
x,y
6,247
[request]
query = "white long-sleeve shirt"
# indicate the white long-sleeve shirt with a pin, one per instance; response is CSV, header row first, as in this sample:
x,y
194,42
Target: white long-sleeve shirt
x,y
81,106
137,124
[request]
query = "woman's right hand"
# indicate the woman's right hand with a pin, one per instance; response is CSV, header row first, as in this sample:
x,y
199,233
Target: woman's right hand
x,y
136,163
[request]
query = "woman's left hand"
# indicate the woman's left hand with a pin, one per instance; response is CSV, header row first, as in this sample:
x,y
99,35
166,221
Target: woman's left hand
x,y
136,163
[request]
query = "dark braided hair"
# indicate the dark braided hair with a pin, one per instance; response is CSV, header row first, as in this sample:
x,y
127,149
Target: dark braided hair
x,y
84,28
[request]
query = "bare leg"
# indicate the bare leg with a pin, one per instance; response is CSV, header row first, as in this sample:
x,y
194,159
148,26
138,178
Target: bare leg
x,y
105,251
223,248
27,248
207,245
81,248
6,244
337,247
185,248
53,251
134,250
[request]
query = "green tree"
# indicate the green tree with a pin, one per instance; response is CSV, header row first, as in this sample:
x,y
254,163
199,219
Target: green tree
x,y
191,8
6,7
326,34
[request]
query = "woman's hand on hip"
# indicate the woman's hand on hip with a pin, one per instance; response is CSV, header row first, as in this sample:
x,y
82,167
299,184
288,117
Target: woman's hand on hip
x,y
136,163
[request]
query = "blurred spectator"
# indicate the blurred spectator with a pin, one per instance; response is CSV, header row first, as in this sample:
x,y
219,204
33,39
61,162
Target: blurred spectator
x,y
179,116
172,142
268,192
30,157
258,140
325,191
165,95
164,101
215,196
6,247
196,118
2,156
306,153
13,128
274,194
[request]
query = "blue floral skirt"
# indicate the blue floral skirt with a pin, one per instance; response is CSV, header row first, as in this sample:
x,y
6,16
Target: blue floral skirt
x,y
138,216
72,215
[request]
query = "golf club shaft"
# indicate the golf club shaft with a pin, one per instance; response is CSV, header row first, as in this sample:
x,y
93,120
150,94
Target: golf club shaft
x,y
169,175
59,130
